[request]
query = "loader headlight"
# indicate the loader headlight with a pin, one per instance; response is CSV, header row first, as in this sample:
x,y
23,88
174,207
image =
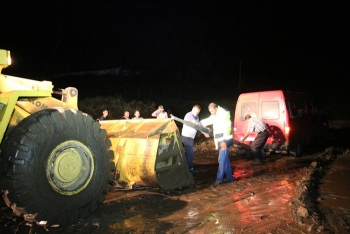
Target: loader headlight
x,y
5,59
9,58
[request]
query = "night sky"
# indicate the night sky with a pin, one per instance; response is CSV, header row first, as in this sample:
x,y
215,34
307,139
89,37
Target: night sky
x,y
197,46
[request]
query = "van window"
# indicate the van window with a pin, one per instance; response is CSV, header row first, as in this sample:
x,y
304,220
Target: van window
x,y
299,109
248,108
309,110
270,110
318,109
293,112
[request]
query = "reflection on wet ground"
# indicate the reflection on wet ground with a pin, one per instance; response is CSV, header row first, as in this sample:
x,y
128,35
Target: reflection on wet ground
x,y
335,186
136,212
259,201
334,192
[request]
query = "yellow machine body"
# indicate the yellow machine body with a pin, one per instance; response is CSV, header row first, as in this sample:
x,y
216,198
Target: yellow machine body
x,y
148,152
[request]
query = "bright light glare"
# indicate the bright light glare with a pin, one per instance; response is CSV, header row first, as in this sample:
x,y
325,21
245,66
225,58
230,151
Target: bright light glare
x,y
286,130
8,58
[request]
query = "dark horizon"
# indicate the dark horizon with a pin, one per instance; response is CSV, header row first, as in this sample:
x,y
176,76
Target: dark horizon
x,y
197,47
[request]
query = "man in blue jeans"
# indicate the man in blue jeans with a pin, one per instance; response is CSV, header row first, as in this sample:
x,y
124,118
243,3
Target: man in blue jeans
x,y
221,120
188,134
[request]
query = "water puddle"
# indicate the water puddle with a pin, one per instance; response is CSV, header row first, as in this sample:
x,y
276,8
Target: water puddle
x,y
335,187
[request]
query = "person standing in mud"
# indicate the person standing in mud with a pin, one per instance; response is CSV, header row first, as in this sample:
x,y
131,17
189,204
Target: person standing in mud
x,y
259,127
188,134
220,118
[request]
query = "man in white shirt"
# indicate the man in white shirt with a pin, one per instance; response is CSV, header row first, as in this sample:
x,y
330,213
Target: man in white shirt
x,y
160,113
221,120
188,134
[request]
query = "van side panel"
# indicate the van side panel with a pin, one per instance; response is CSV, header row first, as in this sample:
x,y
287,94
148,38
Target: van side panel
x,y
308,125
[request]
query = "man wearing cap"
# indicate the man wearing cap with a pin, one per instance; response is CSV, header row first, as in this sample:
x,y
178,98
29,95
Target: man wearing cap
x,y
221,120
259,127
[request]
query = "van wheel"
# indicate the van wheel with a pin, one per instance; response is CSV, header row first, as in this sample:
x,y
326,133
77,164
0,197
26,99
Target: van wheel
x,y
297,152
247,152
58,167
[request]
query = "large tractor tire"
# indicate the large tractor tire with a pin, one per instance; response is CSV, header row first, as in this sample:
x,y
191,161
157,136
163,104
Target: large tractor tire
x,y
58,167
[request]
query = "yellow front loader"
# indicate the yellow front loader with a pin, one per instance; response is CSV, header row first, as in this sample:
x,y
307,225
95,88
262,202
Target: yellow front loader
x,y
57,163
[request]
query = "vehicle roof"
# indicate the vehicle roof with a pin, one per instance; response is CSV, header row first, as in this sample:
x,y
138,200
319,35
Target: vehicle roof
x,y
289,95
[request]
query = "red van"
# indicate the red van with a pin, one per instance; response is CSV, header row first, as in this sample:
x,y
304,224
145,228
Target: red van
x,y
294,120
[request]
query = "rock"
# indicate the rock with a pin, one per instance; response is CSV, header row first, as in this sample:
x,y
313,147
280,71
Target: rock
x,y
320,229
311,228
304,188
302,211
301,224
314,164
328,157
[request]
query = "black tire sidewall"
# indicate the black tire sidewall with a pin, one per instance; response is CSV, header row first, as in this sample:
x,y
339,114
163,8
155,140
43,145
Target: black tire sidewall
x,y
37,136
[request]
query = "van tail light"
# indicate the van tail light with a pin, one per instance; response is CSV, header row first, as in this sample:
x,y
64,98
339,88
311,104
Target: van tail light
x,y
286,130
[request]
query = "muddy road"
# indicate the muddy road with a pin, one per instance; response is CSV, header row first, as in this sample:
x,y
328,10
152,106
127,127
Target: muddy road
x,y
310,194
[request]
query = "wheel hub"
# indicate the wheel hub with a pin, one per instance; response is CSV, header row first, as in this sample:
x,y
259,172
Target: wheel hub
x,y
70,167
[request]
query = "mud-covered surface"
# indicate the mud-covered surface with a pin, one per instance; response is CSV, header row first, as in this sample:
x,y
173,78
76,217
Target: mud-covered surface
x,y
310,194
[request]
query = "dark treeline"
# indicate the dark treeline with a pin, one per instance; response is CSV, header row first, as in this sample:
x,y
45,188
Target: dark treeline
x,y
190,85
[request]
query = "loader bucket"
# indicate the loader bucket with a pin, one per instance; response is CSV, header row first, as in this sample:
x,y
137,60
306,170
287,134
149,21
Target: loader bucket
x,y
148,152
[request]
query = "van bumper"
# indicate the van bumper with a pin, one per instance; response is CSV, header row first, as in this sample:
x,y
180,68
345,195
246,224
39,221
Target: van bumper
x,y
273,148
277,148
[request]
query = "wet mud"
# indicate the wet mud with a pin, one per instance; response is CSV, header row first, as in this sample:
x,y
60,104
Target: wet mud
x,y
310,194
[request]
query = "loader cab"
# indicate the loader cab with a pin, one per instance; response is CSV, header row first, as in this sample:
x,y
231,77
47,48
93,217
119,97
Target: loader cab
x,y
5,59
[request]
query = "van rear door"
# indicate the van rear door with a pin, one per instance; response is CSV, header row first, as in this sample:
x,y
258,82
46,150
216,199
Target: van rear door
x,y
273,112
247,103
268,106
